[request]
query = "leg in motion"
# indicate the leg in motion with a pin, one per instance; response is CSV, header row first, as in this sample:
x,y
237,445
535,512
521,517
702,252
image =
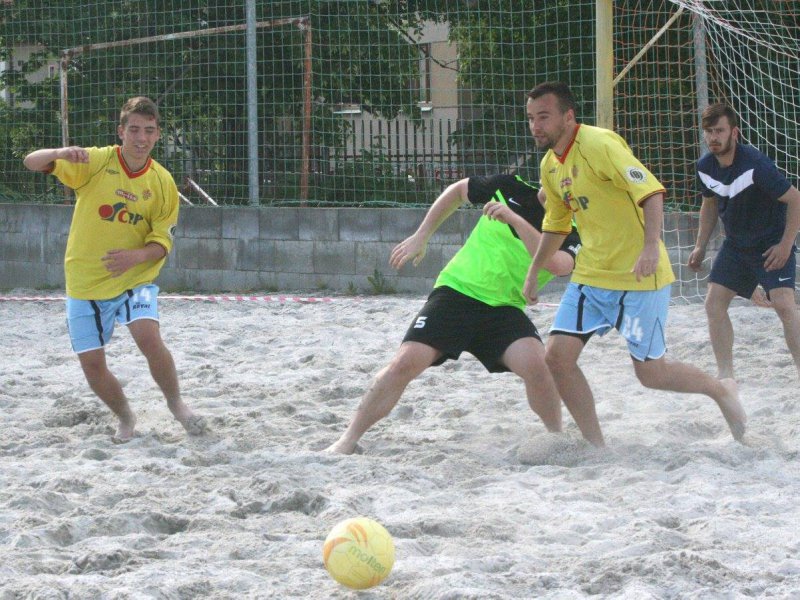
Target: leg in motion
x,y
562,359
661,374
784,304
108,389
383,394
526,358
146,333
720,329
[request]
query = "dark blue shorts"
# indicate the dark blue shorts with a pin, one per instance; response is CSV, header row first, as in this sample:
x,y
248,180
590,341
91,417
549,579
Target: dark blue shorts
x,y
742,269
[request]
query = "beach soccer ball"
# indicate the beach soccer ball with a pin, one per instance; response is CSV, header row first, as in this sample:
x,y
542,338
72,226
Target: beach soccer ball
x,y
358,553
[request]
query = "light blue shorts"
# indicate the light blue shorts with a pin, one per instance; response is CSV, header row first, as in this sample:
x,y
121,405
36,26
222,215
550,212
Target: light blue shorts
x,y
91,322
640,316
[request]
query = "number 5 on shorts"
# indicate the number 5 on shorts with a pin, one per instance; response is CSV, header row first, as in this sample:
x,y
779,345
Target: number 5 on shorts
x,y
420,323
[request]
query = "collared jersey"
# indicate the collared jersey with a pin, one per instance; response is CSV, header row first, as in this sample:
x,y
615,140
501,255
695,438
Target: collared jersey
x,y
492,264
115,209
747,193
601,184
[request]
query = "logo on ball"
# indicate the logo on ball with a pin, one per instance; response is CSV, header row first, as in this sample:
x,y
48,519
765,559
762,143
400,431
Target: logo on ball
x,y
358,553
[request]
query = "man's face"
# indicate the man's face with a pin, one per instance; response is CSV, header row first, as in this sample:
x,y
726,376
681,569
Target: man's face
x,y
720,137
139,135
548,125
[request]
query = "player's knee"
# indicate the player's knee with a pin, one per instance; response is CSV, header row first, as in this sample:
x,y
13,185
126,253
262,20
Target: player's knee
x,y
648,374
713,306
786,310
93,369
556,361
538,363
533,368
403,368
151,345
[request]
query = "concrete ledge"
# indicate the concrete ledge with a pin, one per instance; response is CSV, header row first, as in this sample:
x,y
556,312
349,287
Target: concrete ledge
x,y
283,249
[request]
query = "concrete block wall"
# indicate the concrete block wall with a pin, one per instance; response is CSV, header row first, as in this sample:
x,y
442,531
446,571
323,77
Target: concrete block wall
x,y
242,249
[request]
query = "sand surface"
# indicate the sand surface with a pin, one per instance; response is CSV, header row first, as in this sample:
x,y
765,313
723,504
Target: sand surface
x,y
482,503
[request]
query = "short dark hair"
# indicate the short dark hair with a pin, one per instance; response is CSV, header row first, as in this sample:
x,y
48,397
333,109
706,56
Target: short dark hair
x,y
714,112
139,105
560,90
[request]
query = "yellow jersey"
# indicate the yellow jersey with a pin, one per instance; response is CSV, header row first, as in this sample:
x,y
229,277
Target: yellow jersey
x,y
601,184
115,209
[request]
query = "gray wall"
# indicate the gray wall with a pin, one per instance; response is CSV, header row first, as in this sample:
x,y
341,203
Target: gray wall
x,y
241,249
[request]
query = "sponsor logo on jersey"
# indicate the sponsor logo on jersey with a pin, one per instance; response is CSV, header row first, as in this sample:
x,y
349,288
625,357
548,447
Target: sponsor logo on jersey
x,y
127,195
118,212
147,194
575,171
566,182
574,203
112,171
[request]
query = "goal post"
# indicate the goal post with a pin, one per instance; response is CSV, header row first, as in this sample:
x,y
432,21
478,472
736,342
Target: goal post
x,y
674,57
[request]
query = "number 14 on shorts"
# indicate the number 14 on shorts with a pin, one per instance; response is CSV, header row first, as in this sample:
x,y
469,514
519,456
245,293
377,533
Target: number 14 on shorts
x,y
631,329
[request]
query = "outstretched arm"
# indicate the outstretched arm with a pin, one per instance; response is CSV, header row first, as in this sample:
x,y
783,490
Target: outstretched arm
x,y
415,246
44,159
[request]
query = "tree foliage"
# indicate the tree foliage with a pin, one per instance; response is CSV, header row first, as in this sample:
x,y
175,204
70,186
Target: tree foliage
x,y
200,82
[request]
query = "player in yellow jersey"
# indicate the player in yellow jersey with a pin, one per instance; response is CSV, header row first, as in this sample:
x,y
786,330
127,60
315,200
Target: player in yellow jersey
x,y
622,275
121,232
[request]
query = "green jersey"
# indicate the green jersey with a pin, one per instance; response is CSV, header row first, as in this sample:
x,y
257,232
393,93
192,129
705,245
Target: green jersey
x,y
492,264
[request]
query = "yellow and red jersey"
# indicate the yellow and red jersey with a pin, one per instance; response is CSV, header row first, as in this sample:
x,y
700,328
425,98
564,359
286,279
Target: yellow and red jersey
x,y
115,209
601,184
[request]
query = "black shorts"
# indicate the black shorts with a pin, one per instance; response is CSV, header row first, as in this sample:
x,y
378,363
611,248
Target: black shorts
x,y
453,323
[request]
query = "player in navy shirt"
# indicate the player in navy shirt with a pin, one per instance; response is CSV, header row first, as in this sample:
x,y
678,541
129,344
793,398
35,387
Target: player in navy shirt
x,y
760,211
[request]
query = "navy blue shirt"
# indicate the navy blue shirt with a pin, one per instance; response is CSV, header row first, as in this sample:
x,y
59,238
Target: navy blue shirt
x,y
747,193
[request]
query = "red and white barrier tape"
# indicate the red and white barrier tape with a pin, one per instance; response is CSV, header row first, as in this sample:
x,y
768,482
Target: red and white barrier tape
x,y
256,299
303,299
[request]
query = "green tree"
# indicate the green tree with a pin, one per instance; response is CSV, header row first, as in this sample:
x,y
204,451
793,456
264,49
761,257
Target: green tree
x,y
199,82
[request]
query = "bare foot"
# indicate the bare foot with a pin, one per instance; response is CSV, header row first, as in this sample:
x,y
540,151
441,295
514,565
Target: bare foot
x,y
194,424
125,430
341,446
732,409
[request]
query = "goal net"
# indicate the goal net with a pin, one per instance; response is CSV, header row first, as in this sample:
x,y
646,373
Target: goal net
x,y
744,52
386,102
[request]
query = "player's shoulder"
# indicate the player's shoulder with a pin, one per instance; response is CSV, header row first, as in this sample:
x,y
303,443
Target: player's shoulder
x,y
591,137
750,155
101,153
482,188
160,170
707,162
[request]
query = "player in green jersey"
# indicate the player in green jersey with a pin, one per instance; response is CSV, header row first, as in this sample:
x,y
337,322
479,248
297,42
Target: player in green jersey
x,y
477,303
